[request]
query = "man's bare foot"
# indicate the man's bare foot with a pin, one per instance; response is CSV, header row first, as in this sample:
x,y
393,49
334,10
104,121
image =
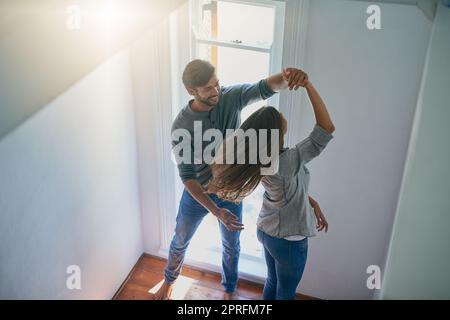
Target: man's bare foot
x,y
165,292
230,296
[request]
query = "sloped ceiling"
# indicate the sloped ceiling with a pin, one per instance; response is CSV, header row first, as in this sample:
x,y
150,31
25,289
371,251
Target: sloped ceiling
x,y
42,54
48,45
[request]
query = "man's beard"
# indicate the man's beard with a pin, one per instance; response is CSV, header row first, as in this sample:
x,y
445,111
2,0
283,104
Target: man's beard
x,y
209,102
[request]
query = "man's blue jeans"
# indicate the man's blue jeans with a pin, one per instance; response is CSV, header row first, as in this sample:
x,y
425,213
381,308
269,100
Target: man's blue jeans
x,y
190,214
285,264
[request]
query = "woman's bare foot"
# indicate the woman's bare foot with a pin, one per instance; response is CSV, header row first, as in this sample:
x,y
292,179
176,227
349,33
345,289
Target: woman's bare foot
x,y
164,292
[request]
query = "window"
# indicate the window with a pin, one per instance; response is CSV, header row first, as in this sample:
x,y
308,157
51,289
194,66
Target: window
x,y
243,40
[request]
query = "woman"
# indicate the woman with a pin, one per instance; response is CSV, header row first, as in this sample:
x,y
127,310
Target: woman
x,y
288,215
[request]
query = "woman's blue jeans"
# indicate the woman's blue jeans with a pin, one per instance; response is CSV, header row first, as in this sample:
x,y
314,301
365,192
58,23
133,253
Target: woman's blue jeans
x,y
285,264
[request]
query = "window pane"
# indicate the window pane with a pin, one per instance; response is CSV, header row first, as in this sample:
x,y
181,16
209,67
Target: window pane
x,y
248,23
238,66
207,235
241,66
230,21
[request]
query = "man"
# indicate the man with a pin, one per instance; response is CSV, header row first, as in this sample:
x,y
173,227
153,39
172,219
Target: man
x,y
220,108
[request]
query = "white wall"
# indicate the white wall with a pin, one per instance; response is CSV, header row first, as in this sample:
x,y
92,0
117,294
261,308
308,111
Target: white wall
x,y
419,258
370,82
69,191
157,84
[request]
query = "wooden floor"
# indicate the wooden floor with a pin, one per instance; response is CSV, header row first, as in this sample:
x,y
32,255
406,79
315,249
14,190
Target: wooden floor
x,y
193,284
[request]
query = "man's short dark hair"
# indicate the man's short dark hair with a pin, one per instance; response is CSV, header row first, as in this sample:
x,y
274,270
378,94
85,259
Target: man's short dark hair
x,y
197,73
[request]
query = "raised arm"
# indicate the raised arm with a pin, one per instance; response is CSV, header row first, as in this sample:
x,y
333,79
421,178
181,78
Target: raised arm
x,y
323,118
293,79
277,82
313,145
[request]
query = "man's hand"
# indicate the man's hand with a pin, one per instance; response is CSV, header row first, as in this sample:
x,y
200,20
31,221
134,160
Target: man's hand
x,y
229,220
225,216
295,78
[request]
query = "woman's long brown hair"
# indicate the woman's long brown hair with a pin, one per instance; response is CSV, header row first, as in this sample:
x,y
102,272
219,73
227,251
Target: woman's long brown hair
x,y
233,182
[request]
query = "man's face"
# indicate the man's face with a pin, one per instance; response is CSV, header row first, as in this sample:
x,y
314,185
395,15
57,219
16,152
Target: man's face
x,y
209,93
